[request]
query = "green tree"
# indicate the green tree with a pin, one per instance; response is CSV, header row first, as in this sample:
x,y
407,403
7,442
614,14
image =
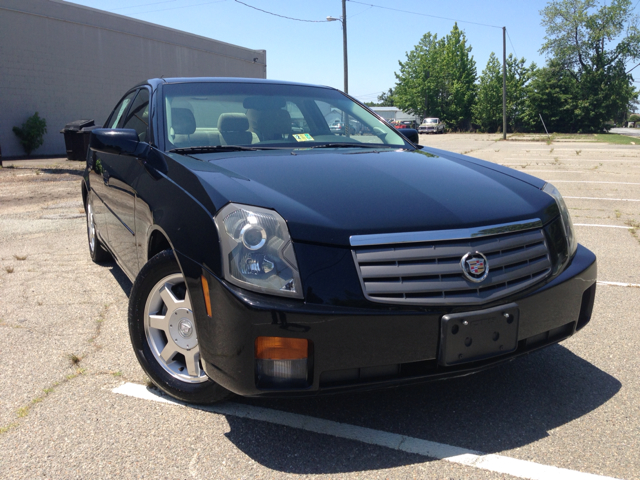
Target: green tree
x,y
550,94
487,111
593,42
387,99
31,134
438,79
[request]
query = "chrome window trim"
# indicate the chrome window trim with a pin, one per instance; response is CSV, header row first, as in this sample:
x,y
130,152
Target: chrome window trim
x,y
438,235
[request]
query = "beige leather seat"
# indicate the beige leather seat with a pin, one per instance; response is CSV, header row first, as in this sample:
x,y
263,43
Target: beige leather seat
x,y
269,124
234,129
183,125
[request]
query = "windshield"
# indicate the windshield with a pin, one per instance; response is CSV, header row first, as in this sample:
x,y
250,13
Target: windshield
x,y
430,120
269,115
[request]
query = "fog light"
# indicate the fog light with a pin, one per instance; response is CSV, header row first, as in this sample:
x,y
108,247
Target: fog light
x,y
282,362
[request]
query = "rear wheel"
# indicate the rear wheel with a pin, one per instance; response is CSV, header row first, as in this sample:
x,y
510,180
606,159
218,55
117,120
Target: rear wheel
x,y
163,333
98,253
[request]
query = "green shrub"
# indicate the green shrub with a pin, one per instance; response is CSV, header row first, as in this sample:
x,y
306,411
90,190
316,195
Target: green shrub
x,y
31,133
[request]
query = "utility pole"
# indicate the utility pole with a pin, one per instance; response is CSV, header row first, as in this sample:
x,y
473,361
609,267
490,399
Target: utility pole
x,y
344,46
504,83
343,20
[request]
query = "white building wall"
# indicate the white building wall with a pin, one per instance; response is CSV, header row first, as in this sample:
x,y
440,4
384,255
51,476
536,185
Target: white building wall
x,y
69,62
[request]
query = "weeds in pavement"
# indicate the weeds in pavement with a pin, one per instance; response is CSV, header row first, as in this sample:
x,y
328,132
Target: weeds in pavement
x,y
578,152
74,359
20,257
9,269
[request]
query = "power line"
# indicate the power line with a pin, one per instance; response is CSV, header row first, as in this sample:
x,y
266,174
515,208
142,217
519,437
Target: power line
x,y
422,14
367,94
142,5
281,16
514,48
176,8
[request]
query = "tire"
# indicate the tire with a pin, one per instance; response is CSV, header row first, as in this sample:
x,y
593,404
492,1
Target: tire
x,y
97,251
168,350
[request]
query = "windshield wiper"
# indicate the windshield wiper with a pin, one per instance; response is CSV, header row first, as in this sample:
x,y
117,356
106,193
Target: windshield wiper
x,y
218,148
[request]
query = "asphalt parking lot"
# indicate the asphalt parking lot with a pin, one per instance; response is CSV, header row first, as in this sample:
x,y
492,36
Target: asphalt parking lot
x,y
74,402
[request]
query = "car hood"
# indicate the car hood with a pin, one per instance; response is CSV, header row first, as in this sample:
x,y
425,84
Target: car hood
x,y
328,195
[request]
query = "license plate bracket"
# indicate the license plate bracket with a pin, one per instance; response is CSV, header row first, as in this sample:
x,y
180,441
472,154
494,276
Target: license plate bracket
x,y
478,335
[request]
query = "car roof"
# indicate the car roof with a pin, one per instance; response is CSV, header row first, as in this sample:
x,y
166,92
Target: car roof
x,y
157,81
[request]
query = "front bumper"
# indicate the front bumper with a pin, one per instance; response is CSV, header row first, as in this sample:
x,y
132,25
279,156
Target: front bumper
x,y
367,346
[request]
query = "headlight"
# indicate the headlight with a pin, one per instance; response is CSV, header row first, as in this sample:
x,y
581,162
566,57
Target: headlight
x,y
572,243
257,252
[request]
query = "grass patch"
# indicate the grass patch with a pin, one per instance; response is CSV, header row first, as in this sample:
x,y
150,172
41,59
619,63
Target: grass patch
x,y
23,411
20,257
6,428
612,138
616,139
9,269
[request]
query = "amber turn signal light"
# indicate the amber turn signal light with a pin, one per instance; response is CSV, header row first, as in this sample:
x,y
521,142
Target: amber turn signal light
x,y
281,348
205,292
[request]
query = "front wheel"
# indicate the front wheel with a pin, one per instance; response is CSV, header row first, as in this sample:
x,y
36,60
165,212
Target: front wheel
x,y
163,333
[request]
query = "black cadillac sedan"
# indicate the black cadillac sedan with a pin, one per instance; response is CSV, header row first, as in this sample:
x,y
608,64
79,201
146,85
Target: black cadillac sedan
x,y
272,255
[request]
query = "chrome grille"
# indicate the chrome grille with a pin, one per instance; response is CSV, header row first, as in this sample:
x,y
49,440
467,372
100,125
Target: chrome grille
x,y
430,273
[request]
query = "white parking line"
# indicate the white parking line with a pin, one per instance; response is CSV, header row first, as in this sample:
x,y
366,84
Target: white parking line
x,y
526,170
570,159
581,181
612,199
440,451
593,225
619,284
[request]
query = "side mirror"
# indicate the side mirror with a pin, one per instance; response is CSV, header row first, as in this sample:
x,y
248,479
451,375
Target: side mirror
x,y
411,134
121,141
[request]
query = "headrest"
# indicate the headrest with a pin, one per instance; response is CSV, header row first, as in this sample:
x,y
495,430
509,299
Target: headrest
x,y
282,121
183,121
233,122
264,103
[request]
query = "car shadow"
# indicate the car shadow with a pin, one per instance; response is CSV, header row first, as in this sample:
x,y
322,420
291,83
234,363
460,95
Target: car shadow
x,y
121,278
61,171
500,409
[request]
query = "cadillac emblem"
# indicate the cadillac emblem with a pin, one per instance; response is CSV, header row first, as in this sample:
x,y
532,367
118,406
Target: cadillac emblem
x,y
475,266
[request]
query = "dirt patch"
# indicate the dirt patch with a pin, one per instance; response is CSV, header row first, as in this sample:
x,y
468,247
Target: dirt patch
x,y
19,195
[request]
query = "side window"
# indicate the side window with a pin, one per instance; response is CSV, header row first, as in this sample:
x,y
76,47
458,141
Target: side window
x,y
118,112
138,115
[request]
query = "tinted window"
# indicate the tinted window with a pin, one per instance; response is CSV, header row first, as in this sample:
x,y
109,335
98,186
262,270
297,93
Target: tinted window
x,y
138,115
118,112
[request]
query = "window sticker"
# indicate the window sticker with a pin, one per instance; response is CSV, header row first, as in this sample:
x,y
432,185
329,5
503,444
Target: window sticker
x,y
303,137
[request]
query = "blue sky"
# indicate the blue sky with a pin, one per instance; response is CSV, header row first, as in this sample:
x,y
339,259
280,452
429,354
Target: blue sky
x,y
377,37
